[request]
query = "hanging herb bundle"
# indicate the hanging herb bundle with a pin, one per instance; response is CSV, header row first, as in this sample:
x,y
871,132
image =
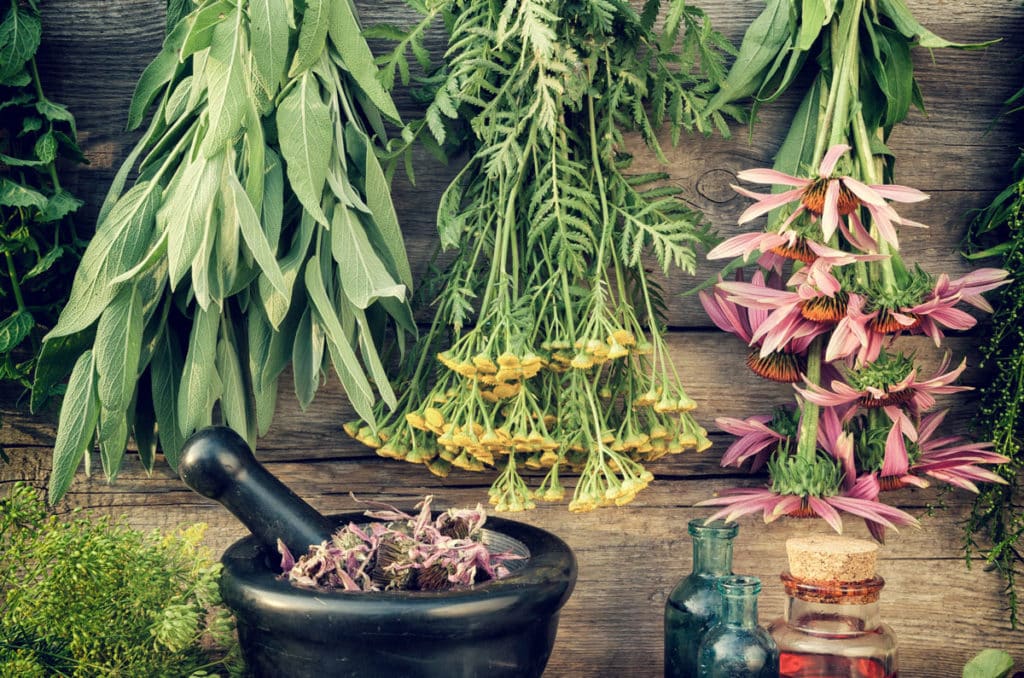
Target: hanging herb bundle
x,y
259,230
38,243
547,349
832,292
996,524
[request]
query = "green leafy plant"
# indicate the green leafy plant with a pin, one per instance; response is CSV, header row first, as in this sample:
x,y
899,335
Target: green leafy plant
x,y
89,596
995,527
989,663
547,349
258,231
38,244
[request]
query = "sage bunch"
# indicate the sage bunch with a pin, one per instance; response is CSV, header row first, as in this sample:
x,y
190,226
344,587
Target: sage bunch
x,y
258,230
547,350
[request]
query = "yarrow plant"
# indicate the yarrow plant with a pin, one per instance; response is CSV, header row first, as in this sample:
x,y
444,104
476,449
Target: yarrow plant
x,y
403,552
831,295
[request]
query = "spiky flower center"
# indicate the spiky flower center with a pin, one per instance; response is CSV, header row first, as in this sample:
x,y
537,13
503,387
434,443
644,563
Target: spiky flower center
x,y
814,197
883,375
886,323
798,251
817,477
778,366
825,309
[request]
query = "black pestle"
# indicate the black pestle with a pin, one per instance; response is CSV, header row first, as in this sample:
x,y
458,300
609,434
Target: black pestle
x,y
217,463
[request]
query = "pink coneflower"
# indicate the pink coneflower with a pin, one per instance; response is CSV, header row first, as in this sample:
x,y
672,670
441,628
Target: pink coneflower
x,y
950,459
783,364
755,440
889,381
829,197
938,310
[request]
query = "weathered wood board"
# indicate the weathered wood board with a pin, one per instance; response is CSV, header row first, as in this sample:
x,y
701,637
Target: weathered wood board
x,y
629,558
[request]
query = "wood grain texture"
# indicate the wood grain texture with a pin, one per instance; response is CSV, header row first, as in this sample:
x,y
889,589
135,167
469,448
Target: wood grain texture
x,y
629,558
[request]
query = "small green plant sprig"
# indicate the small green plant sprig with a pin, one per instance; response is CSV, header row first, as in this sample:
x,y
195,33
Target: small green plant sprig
x,y
995,527
89,596
258,231
547,349
38,243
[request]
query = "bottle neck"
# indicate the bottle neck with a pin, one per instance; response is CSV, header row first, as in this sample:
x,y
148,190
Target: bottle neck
x,y
833,618
740,610
712,555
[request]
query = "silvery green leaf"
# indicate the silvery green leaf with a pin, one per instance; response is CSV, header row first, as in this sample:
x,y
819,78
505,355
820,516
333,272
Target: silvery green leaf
x,y
276,304
14,328
304,130
235,404
348,40
187,210
120,241
268,23
54,362
368,350
117,348
363,276
307,358
177,101
199,381
356,385
253,235
989,663
166,369
227,265
312,35
260,335
227,91
113,437
200,27
144,427
272,207
78,414
378,199
157,75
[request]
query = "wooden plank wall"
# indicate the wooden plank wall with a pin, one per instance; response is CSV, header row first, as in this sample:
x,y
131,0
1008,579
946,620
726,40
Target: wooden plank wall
x,y
629,558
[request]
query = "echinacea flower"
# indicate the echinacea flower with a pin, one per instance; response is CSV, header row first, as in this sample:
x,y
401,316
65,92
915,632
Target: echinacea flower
x,y
784,363
830,197
950,459
757,437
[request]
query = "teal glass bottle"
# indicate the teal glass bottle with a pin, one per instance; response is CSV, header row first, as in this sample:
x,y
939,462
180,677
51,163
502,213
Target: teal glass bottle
x,y
694,603
735,646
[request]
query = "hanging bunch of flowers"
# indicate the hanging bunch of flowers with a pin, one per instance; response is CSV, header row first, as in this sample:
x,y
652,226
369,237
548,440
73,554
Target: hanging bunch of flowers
x,y
547,350
832,294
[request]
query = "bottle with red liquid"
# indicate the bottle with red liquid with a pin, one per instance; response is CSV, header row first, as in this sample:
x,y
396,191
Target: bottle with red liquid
x,y
832,627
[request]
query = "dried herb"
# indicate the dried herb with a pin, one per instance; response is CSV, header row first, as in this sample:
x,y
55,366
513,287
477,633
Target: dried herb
x,y
547,349
995,528
259,231
38,244
89,596
398,551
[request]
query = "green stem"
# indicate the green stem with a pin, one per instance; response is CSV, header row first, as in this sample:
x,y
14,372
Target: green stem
x,y
807,445
13,273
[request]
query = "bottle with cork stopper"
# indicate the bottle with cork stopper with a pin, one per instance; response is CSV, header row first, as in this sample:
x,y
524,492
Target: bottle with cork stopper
x,y
832,627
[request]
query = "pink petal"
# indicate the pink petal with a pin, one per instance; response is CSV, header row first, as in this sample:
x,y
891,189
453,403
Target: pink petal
x,y
865,193
830,215
770,176
828,163
898,193
826,512
766,202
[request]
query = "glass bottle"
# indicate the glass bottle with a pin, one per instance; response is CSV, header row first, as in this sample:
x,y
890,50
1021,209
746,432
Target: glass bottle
x,y
693,605
833,629
735,646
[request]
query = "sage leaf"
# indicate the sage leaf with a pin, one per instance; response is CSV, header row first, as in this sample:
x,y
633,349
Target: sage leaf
x,y
199,381
120,241
201,25
346,364
78,414
358,58
117,348
14,328
227,91
312,35
156,76
113,437
54,362
236,406
144,424
268,23
166,369
186,213
304,129
814,15
370,356
378,199
363,276
253,235
307,359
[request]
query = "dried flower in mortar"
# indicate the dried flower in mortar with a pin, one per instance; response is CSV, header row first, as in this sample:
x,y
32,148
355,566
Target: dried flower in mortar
x,y
405,552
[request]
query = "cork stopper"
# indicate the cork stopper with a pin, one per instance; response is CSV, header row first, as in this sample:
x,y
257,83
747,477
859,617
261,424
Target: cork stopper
x,y
831,558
